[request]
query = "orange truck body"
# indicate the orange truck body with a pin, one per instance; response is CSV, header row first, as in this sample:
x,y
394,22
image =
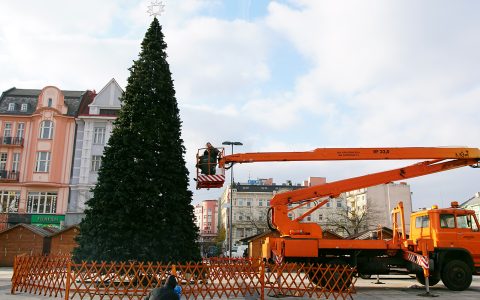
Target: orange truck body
x,y
442,251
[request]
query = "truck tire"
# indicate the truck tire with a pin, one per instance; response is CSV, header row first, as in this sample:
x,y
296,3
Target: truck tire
x,y
457,275
433,279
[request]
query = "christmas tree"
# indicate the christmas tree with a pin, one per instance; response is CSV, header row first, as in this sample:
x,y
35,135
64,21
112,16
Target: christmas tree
x,y
141,208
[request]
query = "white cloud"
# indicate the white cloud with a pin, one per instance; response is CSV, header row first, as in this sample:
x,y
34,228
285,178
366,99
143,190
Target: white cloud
x,y
381,75
213,59
396,73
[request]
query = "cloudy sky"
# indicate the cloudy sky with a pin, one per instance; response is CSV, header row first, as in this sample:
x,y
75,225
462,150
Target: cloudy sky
x,y
287,75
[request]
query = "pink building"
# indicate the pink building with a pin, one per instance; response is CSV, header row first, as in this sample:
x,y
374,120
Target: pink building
x,y
36,153
206,214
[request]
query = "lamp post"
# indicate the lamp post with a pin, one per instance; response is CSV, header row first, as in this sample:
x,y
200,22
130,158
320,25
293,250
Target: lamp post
x,y
231,198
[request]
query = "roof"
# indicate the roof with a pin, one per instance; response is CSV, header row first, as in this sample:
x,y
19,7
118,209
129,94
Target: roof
x,y
65,229
35,229
30,97
329,232
252,188
367,234
258,236
471,202
83,107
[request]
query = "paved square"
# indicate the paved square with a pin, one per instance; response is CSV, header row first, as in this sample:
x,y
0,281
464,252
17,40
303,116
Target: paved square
x,y
393,287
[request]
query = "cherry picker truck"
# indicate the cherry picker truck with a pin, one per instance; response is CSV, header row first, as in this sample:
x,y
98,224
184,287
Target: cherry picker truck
x,y
443,243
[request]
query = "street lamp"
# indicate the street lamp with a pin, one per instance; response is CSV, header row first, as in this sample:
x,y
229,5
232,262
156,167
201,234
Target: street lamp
x,y
231,198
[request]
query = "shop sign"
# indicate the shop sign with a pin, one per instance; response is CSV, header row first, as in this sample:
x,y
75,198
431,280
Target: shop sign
x,y
47,219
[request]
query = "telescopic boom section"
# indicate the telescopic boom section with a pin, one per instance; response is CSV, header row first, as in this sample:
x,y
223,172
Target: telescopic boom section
x,y
331,154
438,159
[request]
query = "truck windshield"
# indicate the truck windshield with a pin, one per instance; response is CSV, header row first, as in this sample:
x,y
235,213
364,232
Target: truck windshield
x,y
459,221
447,221
463,222
466,221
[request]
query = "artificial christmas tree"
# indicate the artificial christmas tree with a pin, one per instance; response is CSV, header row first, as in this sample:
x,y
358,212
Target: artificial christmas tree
x,y
141,208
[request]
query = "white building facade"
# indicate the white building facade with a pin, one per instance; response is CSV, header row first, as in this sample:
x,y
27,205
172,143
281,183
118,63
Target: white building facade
x,y
94,127
379,201
473,204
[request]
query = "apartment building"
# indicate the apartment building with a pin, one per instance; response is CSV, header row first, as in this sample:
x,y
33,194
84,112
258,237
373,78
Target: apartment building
x,y
251,202
206,218
94,127
36,149
378,202
206,215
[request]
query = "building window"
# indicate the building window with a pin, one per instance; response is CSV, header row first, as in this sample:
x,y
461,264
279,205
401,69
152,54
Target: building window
x,y
99,135
249,203
9,201
240,232
320,217
11,106
3,161
50,102
339,203
43,162
7,130
240,202
260,203
20,130
96,162
46,129
16,162
328,203
42,202
24,107
309,218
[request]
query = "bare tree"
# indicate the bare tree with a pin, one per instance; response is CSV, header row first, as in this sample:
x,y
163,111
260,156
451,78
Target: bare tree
x,y
257,218
347,221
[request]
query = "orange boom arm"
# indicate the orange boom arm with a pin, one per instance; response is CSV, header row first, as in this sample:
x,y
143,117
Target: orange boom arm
x,y
438,159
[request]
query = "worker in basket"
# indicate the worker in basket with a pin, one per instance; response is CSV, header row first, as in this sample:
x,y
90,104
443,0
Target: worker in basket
x,y
208,161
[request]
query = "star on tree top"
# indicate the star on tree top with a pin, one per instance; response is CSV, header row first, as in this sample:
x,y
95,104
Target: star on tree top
x,y
156,8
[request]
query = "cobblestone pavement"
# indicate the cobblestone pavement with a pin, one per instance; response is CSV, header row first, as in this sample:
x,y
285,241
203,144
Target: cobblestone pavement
x,y
393,287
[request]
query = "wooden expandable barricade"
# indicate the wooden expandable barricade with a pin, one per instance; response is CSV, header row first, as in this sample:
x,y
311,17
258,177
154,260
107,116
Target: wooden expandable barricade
x,y
59,276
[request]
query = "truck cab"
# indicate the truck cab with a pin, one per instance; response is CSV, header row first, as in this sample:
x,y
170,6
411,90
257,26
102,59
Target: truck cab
x,y
452,239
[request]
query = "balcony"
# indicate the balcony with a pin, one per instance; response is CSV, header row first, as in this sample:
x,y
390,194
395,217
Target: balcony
x,y
9,176
11,141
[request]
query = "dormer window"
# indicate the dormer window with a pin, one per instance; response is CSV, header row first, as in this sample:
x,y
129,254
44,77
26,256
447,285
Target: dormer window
x,y
24,107
49,102
11,106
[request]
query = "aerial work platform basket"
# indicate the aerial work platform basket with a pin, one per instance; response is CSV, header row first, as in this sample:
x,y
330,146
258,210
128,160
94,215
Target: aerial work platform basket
x,y
209,173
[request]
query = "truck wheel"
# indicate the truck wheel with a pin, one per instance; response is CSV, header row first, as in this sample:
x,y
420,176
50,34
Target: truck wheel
x,y
456,275
433,279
